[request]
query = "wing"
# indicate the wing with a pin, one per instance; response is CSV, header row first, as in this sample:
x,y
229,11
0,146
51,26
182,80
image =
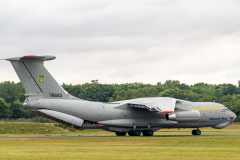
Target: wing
x,y
160,104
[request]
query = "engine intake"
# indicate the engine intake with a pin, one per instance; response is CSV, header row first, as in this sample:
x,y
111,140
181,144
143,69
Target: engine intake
x,y
184,116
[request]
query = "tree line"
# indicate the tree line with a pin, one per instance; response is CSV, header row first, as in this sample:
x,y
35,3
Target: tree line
x,y
12,94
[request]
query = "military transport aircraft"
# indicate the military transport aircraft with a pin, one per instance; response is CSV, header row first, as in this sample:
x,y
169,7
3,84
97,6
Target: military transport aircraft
x,y
134,116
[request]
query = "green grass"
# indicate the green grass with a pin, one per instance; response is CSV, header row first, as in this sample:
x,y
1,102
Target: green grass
x,y
29,128
236,123
9,129
132,148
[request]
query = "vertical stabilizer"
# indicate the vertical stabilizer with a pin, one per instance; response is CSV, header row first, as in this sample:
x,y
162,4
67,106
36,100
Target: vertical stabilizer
x,y
37,81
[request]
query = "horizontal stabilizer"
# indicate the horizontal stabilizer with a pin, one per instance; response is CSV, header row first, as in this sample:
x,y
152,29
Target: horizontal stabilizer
x,y
31,58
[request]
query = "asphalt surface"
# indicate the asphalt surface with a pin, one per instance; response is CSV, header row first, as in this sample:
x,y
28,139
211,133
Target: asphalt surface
x,y
64,137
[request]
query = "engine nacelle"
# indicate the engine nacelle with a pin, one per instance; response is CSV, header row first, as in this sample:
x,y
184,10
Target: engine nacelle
x,y
184,116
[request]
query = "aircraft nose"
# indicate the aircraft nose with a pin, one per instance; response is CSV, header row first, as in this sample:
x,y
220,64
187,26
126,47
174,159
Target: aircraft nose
x,y
234,116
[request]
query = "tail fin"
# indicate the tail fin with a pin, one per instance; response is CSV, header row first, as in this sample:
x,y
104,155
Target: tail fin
x,y
35,78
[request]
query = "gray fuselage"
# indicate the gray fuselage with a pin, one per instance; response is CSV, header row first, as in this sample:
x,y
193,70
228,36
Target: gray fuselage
x,y
120,114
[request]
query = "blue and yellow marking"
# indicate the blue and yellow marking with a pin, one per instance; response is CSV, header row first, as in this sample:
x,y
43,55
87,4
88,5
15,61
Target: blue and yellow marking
x,y
41,79
218,118
207,108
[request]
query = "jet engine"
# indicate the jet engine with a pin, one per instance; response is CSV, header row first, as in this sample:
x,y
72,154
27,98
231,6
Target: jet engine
x,y
184,116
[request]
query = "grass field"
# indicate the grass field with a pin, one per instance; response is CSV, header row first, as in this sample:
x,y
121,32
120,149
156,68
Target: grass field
x,y
9,129
133,148
29,128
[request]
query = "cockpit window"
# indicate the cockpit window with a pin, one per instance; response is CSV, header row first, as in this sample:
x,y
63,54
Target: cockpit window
x,y
223,107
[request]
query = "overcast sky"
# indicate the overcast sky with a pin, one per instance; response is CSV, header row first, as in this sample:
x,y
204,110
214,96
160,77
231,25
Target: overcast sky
x,y
125,41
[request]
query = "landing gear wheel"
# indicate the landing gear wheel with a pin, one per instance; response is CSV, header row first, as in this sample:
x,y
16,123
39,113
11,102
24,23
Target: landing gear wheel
x,y
193,132
121,133
134,133
196,132
147,133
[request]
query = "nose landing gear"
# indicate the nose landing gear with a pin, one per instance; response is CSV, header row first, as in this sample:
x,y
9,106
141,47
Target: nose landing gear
x,y
196,132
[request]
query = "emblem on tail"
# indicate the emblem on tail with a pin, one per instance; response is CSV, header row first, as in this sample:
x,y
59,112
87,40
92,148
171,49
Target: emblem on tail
x,y
41,78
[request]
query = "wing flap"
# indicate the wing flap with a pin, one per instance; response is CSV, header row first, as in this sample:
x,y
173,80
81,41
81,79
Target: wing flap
x,y
160,105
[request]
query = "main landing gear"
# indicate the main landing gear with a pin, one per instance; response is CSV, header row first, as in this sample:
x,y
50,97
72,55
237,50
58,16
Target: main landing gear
x,y
196,132
147,133
121,133
136,133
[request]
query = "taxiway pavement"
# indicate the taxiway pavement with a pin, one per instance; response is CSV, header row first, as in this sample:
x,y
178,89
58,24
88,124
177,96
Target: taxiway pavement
x,y
64,137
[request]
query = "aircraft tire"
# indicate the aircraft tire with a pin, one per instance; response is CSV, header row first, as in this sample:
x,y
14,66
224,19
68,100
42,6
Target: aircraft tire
x,y
147,133
121,133
138,133
134,133
196,132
